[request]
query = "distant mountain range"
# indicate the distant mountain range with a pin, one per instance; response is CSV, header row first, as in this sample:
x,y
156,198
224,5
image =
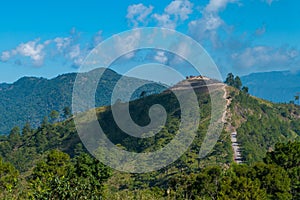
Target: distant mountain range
x,y
30,99
277,86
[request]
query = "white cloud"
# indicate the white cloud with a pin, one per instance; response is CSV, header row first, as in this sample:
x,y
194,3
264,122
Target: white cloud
x,y
161,57
5,56
138,13
207,26
206,29
62,43
180,9
97,39
74,51
125,45
214,6
174,14
237,52
209,22
78,61
183,50
32,49
261,58
68,50
164,21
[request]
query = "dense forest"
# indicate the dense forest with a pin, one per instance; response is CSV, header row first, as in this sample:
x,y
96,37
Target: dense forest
x,y
50,162
59,174
30,99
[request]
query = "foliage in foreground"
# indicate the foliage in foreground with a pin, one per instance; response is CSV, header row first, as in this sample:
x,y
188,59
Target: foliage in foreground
x,y
57,176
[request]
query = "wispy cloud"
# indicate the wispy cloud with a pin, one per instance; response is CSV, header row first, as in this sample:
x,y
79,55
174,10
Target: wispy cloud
x,y
97,39
214,6
269,1
261,30
232,50
181,9
6,55
137,14
34,50
125,44
176,12
239,52
164,20
70,50
265,58
161,57
207,26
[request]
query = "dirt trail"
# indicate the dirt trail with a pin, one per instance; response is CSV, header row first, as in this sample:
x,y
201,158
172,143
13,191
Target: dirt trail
x,y
200,83
237,156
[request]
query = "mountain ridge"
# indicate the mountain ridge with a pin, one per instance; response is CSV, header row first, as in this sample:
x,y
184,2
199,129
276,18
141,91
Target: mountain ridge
x,y
275,86
29,99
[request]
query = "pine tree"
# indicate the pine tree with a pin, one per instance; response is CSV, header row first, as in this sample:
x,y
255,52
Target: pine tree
x,y
237,82
230,79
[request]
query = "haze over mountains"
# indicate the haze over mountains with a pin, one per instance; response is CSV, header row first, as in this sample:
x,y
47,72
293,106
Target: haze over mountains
x,y
277,86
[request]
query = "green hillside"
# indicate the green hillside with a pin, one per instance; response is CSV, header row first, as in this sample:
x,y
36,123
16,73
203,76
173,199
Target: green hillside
x,y
30,99
260,124
49,162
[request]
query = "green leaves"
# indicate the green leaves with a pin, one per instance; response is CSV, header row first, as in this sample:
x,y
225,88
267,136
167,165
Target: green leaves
x,y
59,178
8,177
288,156
233,81
285,155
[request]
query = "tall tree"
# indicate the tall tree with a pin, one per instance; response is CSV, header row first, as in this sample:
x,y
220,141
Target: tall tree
x,y
297,98
237,82
236,188
88,177
208,182
8,177
245,89
54,115
14,136
48,176
288,156
274,179
26,131
67,112
230,79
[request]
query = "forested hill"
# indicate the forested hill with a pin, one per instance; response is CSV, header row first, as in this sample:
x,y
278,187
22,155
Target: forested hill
x,y
260,124
48,162
30,99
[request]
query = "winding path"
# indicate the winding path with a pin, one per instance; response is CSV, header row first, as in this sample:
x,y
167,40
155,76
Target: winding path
x,y
237,156
201,82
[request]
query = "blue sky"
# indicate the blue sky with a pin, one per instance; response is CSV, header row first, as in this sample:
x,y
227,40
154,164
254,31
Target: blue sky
x,y
48,38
